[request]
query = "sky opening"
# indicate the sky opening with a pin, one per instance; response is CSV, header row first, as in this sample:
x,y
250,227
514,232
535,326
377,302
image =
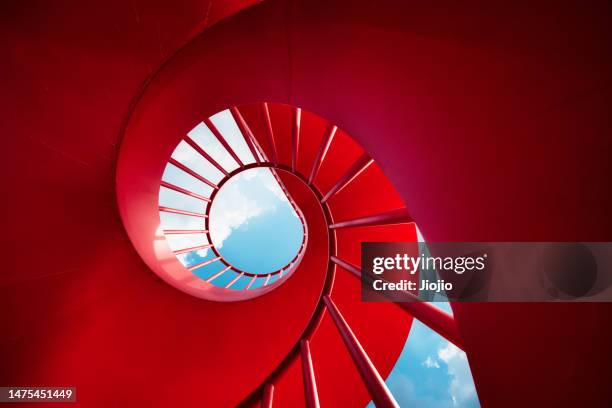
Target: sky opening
x,y
252,223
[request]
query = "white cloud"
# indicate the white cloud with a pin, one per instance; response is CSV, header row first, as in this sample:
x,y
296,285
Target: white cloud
x,y
176,242
250,175
430,363
202,252
267,179
241,200
236,203
271,184
461,386
231,210
244,197
229,129
204,137
186,155
177,221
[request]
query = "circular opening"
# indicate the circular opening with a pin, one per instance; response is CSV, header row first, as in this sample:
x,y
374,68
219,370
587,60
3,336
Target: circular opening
x,y
226,212
227,225
253,224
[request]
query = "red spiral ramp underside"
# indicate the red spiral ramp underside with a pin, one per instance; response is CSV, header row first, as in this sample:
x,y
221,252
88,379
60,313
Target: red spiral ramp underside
x,y
368,320
492,122
137,189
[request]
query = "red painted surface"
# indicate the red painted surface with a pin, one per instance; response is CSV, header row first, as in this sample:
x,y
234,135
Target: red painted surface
x,y
396,324
310,382
437,319
381,396
491,121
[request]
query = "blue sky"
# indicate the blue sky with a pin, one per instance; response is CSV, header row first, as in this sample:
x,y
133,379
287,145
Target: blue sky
x,y
252,223
431,372
245,210
256,229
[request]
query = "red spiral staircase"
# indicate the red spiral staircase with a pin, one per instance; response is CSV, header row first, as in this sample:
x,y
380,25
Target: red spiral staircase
x,y
492,123
344,199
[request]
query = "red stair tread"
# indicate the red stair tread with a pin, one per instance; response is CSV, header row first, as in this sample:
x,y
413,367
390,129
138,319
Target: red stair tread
x,y
368,194
341,155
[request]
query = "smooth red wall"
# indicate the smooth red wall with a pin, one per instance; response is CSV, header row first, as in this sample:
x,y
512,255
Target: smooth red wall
x,y
491,120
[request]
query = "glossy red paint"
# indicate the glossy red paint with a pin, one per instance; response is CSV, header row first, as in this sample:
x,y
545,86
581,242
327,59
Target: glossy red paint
x,y
491,121
396,324
381,396
310,382
435,318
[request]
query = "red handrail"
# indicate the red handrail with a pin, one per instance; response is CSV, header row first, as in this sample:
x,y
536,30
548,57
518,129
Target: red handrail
x,y
184,191
322,152
380,394
211,126
246,132
270,133
205,155
398,216
181,212
195,248
268,396
310,384
362,163
193,173
295,137
431,316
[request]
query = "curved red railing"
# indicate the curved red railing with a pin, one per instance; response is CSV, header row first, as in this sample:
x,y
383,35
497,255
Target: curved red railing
x,y
283,272
261,161
436,319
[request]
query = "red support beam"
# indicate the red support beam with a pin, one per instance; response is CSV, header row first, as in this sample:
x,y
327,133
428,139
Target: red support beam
x,y
184,232
195,248
432,317
251,282
356,169
184,191
255,143
216,275
258,148
310,384
222,140
201,264
398,216
261,151
205,155
246,132
231,283
325,143
380,394
270,133
268,396
295,137
192,173
181,212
